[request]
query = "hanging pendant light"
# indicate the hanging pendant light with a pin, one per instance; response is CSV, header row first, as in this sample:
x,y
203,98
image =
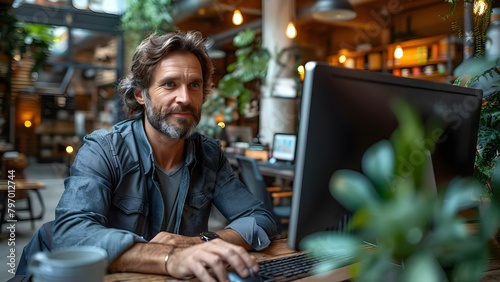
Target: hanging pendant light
x,y
237,17
333,10
291,31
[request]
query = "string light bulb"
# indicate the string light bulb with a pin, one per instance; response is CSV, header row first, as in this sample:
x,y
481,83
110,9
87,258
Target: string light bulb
x,y
291,31
237,17
398,52
480,7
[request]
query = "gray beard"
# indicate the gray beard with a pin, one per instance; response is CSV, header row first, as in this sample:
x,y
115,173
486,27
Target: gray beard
x,y
158,121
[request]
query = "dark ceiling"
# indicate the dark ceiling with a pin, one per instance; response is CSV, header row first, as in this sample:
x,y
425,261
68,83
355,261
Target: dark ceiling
x,y
213,17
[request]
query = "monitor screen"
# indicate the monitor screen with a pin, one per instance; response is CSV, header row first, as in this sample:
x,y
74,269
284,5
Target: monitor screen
x,y
284,147
345,111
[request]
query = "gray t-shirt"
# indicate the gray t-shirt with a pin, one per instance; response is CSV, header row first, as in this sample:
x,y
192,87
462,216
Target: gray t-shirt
x,y
170,182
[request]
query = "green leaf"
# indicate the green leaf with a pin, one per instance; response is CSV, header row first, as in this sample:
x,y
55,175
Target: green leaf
x,y
377,266
460,194
352,189
378,165
244,38
495,183
422,267
345,249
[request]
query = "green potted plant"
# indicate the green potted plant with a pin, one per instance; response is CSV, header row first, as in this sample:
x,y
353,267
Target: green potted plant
x,y
18,38
416,234
488,139
239,86
482,71
244,76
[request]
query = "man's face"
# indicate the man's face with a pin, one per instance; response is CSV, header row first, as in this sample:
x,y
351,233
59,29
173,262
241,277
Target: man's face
x,y
175,95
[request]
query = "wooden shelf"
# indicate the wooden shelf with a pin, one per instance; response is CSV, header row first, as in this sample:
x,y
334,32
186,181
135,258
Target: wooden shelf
x,y
438,52
418,64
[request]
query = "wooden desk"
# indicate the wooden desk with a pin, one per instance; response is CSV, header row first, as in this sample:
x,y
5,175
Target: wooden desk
x,y
285,174
280,248
493,273
282,174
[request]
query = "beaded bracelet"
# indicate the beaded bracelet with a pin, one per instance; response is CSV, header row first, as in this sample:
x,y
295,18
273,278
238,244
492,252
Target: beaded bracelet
x,y
167,257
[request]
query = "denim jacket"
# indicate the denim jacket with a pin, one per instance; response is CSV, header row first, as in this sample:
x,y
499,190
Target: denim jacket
x,y
112,197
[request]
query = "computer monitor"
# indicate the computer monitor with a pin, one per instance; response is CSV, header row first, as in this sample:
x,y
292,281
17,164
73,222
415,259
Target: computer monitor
x,y
345,111
284,145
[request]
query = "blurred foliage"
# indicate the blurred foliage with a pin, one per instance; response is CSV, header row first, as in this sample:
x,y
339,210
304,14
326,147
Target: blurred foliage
x,y
213,110
414,234
480,24
488,138
21,38
241,84
243,78
145,17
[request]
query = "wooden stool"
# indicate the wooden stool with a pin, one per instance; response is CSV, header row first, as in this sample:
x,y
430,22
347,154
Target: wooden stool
x,y
9,191
14,161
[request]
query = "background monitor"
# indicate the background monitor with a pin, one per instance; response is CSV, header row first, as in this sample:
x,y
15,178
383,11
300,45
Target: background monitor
x,y
284,146
345,111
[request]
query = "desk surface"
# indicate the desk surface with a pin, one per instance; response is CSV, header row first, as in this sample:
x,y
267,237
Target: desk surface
x,y
285,174
280,248
20,184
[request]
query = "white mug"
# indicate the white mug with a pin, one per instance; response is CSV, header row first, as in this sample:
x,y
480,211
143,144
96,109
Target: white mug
x,y
75,264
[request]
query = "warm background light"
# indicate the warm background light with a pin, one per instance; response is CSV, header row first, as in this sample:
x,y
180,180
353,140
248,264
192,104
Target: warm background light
x,y
69,149
27,123
480,7
398,53
342,59
291,31
301,71
237,17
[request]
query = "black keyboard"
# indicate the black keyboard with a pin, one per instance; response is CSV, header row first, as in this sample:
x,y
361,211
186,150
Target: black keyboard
x,y
289,268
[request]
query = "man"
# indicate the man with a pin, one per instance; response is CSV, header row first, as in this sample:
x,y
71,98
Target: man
x,y
144,190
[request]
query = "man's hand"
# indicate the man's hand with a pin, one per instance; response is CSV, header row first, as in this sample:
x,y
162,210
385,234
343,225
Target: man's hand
x,y
192,256
216,255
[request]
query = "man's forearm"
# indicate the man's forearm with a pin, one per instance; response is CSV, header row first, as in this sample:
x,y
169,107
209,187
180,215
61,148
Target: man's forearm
x,y
142,258
231,236
150,257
